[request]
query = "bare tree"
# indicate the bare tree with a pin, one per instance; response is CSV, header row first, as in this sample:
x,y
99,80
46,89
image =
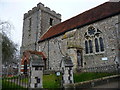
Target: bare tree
x,y
9,48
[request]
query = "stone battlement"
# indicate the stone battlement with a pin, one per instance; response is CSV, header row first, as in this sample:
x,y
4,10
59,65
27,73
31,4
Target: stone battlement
x,y
41,7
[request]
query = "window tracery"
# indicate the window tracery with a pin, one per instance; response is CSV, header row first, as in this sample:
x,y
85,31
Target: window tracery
x,y
93,41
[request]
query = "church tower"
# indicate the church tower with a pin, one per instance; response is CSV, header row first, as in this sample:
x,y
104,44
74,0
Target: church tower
x,y
36,22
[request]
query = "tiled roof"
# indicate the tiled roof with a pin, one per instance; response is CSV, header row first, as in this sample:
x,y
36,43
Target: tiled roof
x,y
38,63
95,14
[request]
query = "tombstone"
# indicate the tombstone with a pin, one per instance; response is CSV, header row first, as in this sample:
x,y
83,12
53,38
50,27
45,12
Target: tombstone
x,y
36,74
67,70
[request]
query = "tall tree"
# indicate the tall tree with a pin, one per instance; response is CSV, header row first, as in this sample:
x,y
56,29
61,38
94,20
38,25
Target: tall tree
x,y
9,49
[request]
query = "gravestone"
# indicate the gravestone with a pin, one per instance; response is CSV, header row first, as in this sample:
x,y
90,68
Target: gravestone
x,y
36,74
67,70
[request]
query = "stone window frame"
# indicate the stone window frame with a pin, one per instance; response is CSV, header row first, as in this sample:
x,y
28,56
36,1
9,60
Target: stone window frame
x,y
97,46
92,53
100,52
30,23
51,21
97,35
101,44
86,47
90,42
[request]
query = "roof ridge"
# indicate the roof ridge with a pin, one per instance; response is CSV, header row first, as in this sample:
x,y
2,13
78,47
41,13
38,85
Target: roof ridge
x,y
106,10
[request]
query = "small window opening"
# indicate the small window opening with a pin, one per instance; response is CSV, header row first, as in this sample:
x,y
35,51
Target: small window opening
x,y
51,21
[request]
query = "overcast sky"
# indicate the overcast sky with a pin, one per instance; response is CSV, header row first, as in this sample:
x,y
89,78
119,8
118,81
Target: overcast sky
x,y
13,11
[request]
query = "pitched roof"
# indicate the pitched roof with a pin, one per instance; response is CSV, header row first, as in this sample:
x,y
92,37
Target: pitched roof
x,y
95,14
66,61
38,63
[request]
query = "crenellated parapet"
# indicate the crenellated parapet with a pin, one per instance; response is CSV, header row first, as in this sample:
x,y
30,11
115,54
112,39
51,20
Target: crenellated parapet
x,y
41,7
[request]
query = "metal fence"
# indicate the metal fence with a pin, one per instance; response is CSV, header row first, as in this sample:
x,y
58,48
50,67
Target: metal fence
x,y
108,68
15,82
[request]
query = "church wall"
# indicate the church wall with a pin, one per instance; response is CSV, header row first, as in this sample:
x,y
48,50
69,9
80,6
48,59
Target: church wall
x,y
108,29
58,47
54,52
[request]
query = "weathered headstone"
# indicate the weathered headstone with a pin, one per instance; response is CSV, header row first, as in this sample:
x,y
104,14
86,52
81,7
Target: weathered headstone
x,y
36,75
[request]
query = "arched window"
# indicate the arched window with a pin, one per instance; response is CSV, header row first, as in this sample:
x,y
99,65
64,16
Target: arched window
x,y
96,45
86,47
90,46
93,36
101,44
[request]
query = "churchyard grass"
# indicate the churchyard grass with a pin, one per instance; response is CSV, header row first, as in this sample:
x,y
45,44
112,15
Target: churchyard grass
x,y
10,85
85,76
25,80
51,81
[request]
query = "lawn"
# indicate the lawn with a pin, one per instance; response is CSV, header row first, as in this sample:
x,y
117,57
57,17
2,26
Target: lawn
x,y
9,85
25,80
79,77
51,81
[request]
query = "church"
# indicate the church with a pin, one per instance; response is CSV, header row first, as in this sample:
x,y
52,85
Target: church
x,y
90,39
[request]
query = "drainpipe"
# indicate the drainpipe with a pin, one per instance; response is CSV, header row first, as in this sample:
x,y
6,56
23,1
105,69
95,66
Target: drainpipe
x,y
118,39
118,35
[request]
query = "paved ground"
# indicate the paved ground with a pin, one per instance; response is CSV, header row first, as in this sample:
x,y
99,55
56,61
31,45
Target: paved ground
x,y
110,85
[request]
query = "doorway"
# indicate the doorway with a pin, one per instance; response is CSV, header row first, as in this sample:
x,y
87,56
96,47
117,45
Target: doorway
x,y
79,58
25,67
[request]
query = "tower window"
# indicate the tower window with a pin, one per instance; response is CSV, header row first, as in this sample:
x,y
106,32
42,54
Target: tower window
x,y
30,22
29,31
51,21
